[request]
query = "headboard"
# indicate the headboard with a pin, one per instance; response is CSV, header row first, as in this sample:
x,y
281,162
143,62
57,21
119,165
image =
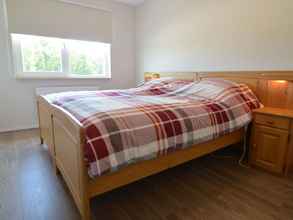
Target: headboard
x,y
176,75
273,88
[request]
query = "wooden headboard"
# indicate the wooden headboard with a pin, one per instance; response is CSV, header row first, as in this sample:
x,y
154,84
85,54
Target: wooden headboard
x,y
176,75
273,88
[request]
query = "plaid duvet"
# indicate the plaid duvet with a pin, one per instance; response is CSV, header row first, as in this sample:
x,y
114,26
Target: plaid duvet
x,y
159,117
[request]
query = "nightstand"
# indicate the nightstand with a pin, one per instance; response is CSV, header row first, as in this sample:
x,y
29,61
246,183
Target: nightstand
x,y
271,146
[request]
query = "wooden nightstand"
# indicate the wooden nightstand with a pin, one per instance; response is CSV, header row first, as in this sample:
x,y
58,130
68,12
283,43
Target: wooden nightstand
x,y
271,145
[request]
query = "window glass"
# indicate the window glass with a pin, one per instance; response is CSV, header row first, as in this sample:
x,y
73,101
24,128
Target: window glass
x,y
87,57
36,56
41,54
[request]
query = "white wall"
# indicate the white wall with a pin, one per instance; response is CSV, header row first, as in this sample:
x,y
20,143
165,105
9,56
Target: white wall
x,y
206,35
17,97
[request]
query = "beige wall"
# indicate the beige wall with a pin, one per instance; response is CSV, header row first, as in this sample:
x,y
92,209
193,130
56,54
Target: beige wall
x,y
205,35
17,97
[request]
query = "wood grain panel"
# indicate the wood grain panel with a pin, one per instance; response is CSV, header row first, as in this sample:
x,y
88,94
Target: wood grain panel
x,y
177,75
269,148
277,122
289,168
277,93
66,159
143,169
274,89
45,121
290,95
69,142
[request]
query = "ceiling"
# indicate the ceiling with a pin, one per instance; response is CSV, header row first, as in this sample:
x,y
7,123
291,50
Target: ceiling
x,y
131,2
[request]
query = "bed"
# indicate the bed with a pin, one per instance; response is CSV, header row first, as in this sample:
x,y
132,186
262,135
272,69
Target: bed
x,y
67,132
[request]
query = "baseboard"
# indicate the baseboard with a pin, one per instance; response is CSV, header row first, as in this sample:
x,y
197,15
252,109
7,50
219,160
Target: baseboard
x,y
5,130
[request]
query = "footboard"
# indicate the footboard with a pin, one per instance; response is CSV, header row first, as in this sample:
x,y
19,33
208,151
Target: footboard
x,y
69,141
45,124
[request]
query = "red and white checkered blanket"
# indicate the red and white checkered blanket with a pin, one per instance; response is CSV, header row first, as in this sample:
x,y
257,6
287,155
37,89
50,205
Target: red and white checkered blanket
x,y
125,126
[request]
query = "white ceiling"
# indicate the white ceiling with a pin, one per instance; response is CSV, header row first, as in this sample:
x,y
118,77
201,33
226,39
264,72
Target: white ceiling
x,y
131,2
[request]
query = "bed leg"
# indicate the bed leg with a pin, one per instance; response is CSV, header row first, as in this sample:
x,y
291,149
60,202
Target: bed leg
x,y
86,212
40,126
55,168
57,171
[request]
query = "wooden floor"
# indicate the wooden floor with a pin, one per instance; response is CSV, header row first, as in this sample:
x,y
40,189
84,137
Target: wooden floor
x,y
208,188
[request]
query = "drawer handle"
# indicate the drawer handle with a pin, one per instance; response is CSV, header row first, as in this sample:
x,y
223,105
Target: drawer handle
x,y
254,146
270,122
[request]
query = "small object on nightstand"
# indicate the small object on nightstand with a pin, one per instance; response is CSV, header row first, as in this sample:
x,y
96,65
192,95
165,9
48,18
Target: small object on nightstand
x,y
271,144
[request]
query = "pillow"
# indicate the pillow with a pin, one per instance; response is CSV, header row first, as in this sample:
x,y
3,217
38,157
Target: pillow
x,y
163,85
165,81
213,87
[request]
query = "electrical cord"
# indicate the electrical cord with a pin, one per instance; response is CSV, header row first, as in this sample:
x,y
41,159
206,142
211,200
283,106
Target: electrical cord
x,y
244,152
240,162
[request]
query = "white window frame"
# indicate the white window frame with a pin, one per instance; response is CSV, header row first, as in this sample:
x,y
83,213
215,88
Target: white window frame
x,y
65,72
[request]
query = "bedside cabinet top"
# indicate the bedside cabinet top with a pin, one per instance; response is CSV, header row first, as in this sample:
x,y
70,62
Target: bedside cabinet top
x,y
275,112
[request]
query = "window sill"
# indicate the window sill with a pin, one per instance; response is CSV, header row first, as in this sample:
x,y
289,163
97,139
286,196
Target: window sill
x,y
54,77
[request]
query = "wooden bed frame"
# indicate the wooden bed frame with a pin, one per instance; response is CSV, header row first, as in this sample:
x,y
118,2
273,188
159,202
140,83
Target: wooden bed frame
x,y
65,138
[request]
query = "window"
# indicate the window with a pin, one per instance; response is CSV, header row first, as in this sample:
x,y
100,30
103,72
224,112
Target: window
x,y
46,57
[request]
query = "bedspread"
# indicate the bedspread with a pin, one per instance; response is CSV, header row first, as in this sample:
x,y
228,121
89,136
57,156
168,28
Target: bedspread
x,y
159,117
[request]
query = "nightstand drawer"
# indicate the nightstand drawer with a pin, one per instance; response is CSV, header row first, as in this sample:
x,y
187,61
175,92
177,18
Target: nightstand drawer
x,y
272,121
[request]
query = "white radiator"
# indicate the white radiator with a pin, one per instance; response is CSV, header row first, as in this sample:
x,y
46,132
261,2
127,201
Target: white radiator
x,y
48,90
